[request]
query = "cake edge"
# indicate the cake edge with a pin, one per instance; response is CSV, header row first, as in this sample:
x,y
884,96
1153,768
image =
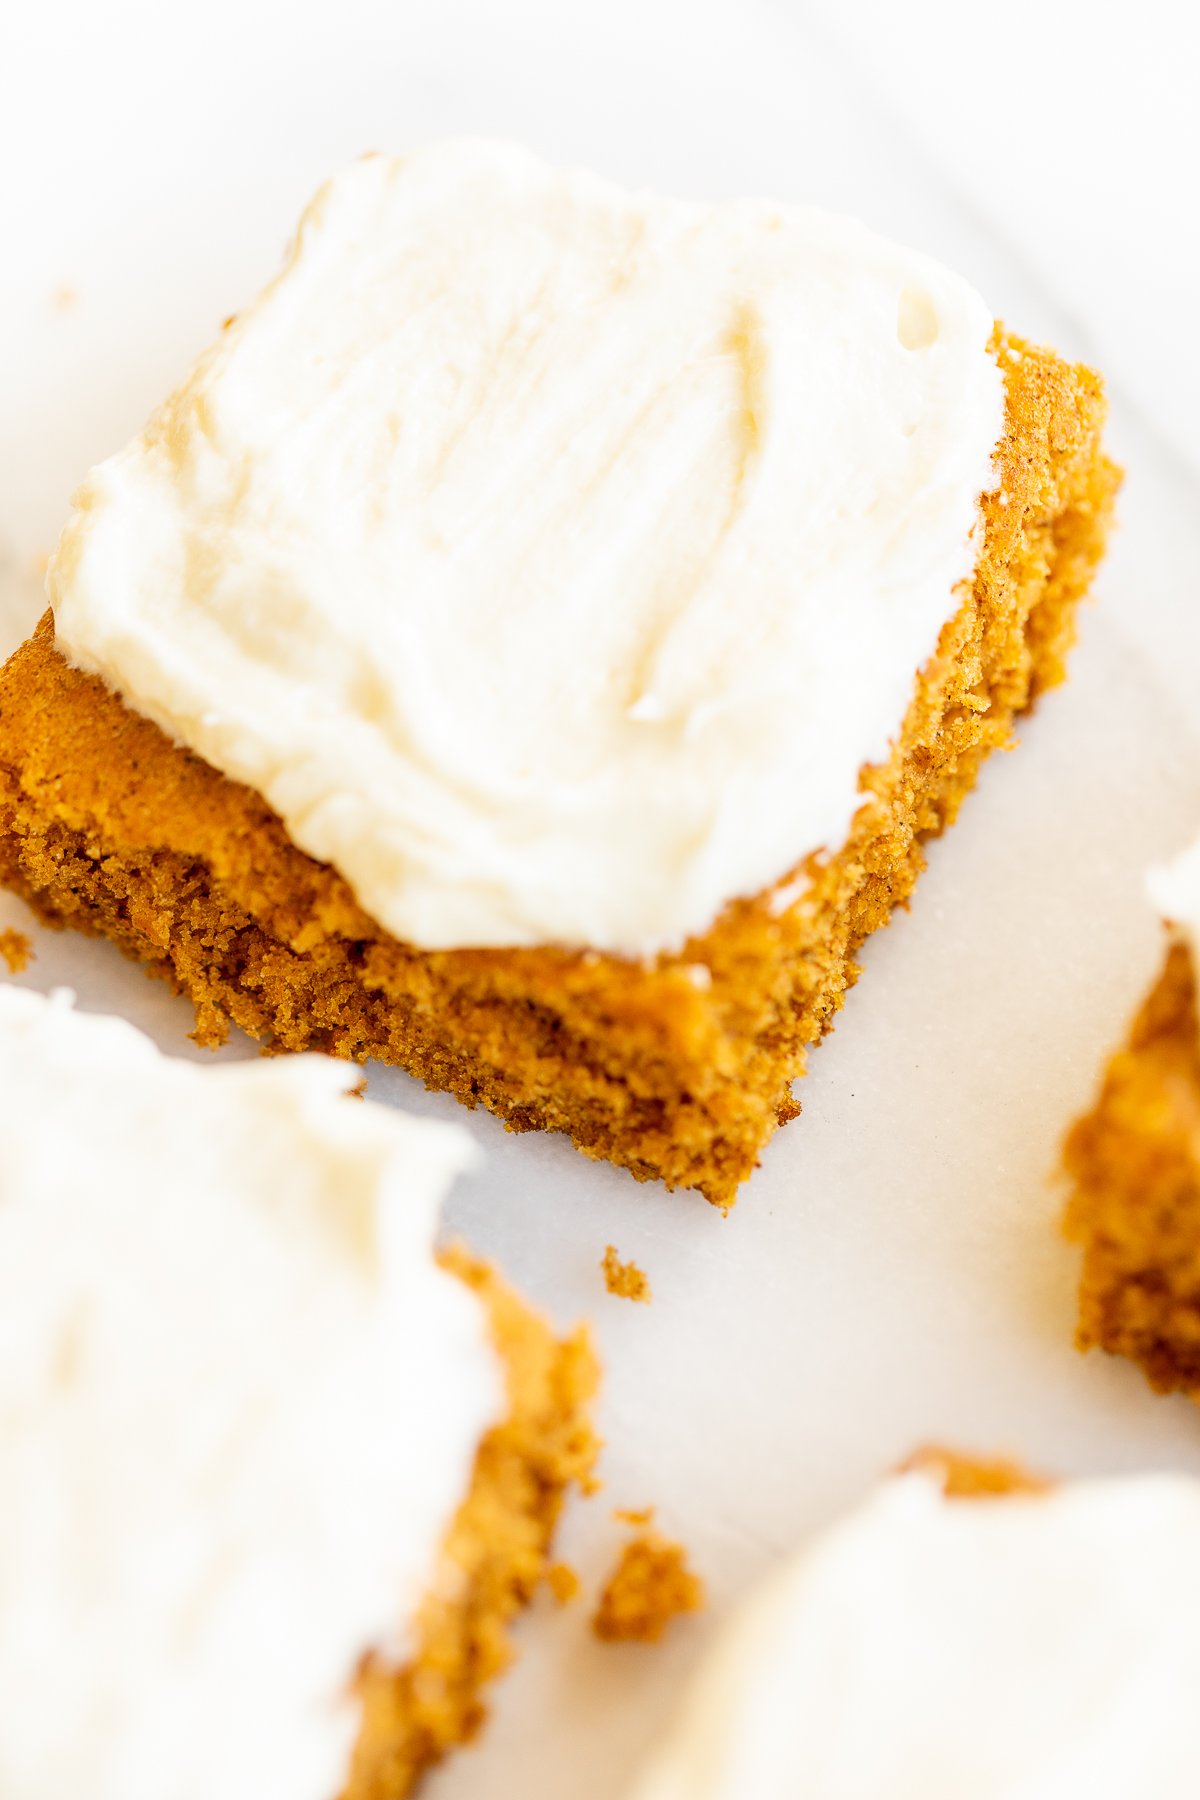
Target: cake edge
x,y
495,1552
1132,1160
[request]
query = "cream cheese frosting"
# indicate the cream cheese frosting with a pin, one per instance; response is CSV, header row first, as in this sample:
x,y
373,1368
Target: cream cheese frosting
x,y
239,1405
551,557
1035,1647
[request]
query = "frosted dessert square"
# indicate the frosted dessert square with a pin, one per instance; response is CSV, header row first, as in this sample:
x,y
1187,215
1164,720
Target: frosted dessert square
x,y
535,641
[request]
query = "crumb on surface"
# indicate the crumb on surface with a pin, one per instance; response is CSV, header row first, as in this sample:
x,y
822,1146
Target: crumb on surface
x,y
625,1279
650,1585
16,949
563,1583
65,298
965,1477
633,1515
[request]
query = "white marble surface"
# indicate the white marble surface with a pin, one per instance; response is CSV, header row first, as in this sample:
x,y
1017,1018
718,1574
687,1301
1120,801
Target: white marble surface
x,y
892,1273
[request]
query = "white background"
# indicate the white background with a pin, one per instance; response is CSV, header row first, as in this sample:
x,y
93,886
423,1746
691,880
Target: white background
x,y
893,1272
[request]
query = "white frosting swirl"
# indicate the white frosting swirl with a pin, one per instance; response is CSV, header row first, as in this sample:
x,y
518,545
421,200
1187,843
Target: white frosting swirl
x,y
239,1405
551,558
1026,1648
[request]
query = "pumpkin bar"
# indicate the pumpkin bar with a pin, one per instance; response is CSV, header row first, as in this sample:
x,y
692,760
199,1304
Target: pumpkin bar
x,y
278,1473
535,643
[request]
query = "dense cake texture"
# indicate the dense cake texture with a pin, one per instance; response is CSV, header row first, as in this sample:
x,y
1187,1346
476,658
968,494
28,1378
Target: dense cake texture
x,y
277,1473
1134,1165
966,1630
678,1066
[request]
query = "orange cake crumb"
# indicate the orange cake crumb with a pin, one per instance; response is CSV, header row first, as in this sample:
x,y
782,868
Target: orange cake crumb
x,y
633,1515
16,949
649,1586
563,1582
1134,1165
679,1066
966,1477
494,1555
624,1279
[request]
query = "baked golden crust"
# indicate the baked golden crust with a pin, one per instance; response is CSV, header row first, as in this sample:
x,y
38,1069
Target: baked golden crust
x,y
495,1553
1134,1164
679,1067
